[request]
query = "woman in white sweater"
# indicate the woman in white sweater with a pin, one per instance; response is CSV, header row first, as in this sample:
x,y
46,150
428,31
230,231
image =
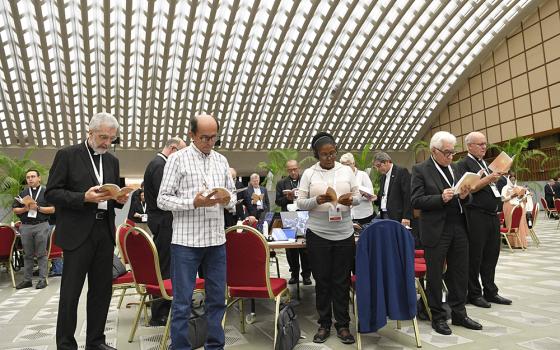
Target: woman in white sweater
x,y
330,234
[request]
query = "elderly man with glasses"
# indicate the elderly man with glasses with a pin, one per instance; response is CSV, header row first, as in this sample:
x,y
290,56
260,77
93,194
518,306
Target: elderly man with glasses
x,y
443,231
483,225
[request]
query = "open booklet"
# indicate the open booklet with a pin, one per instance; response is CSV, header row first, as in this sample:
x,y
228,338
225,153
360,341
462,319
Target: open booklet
x,y
222,192
115,190
502,163
468,179
367,193
27,200
334,198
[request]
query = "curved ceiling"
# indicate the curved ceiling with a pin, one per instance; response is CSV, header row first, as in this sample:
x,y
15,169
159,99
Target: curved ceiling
x,y
274,72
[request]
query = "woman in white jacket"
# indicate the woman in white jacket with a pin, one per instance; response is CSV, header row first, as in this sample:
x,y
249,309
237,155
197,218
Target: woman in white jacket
x,y
327,190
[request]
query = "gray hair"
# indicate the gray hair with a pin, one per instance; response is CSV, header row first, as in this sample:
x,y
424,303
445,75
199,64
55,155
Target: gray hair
x,y
440,137
103,118
469,137
173,141
381,157
253,175
347,157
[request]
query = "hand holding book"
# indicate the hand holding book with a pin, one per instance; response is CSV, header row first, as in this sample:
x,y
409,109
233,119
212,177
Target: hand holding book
x,y
114,190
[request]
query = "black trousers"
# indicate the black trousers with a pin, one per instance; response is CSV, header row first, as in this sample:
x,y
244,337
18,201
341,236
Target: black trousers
x,y
293,256
330,263
162,229
93,258
484,251
453,248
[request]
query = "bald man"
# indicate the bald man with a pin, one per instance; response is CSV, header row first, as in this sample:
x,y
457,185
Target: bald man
x,y
483,225
198,238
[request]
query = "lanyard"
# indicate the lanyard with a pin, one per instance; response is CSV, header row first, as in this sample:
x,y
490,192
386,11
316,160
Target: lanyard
x,y
485,168
443,174
98,174
143,207
31,193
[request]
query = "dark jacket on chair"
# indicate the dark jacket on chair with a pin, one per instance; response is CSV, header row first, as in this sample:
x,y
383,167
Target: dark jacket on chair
x,y
385,280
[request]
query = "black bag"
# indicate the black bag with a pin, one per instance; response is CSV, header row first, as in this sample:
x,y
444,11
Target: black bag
x,y
198,325
288,329
118,267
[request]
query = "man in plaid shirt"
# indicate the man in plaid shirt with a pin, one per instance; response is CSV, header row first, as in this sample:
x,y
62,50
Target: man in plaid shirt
x,y
198,229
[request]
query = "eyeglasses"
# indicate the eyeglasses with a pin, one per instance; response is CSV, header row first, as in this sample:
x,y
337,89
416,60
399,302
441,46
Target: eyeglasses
x,y
482,144
378,165
328,155
207,139
104,137
447,154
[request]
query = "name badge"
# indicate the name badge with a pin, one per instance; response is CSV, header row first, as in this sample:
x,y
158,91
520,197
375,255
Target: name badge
x,y
32,213
384,202
102,205
144,217
335,214
212,212
495,190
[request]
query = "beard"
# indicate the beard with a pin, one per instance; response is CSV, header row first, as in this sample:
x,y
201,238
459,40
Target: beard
x,y
96,148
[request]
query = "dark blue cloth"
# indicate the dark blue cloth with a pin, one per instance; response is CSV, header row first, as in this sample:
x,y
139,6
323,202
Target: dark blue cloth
x,y
385,285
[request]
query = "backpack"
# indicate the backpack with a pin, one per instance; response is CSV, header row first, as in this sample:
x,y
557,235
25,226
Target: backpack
x,y
288,329
118,267
198,324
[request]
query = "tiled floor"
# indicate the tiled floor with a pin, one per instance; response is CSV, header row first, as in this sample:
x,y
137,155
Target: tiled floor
x,y
530,278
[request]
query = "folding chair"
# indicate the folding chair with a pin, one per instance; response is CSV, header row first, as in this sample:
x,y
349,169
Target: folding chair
x,y
7,242
512,225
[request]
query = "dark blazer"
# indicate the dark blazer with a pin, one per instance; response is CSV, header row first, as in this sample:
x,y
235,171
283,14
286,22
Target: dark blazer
x,y
483,199
136,207
252,208
426,190
70,176
281,199
549,195
152,182
398,194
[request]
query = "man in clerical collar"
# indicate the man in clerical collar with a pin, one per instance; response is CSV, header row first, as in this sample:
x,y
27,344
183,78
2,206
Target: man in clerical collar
x,y
483,225
33,211
443,231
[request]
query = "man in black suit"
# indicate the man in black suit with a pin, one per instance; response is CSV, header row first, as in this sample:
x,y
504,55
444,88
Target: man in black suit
x,y
393,199
443,231
256,198
483,225
85,229
160,221
550,193
285,194
237,213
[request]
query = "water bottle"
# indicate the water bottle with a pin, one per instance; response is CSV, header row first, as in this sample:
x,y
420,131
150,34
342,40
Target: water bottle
x,y
265,229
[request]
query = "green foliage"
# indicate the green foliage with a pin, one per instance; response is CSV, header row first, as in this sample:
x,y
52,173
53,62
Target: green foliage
x,y
363,161
420,146
517,148
277,163
12,177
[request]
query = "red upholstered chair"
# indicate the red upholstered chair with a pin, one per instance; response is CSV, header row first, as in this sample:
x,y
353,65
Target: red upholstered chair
x,y
130,222
548,210
126,281
7,241
144,261
248,271
53,251
513,225
501,218
534,214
